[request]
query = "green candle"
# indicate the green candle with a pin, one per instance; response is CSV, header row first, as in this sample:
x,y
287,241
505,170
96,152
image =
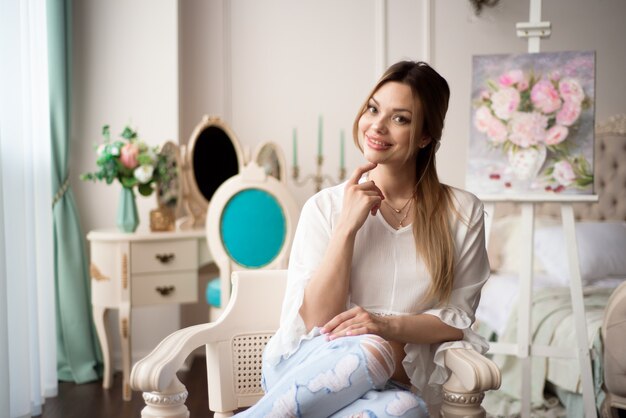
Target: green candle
x,y
341,146
319,136
295,147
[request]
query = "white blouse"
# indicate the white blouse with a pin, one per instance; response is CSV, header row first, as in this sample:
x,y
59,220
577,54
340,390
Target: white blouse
x,y
389,279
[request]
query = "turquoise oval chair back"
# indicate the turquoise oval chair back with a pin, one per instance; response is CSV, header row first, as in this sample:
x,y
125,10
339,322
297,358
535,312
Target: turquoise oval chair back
x,y
250,225
253,228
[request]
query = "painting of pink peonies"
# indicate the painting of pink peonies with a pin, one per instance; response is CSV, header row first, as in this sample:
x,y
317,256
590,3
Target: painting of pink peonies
x,y
532,124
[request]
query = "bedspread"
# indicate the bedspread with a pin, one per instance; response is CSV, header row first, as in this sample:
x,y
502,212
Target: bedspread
x,y
552,324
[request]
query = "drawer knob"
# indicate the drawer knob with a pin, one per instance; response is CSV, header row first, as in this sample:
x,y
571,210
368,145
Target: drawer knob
x,y
165,290
165,258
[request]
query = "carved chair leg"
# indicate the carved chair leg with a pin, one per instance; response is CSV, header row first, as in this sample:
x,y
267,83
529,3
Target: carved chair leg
x,y
170,403
466,405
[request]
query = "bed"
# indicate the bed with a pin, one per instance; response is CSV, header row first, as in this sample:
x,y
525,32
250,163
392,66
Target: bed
x,y
601,236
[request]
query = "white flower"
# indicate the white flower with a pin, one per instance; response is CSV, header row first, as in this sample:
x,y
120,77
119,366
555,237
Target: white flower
x,y
527,129
143,173
504,102
114,150
564,173
101,149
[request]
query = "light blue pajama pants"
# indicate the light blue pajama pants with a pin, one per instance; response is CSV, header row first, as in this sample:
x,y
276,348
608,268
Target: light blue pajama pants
x,y
332,379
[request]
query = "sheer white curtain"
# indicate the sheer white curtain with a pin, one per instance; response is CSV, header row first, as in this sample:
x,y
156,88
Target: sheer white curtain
x,y
27,307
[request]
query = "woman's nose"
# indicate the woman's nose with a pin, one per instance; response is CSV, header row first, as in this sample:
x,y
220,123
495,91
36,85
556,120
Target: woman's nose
x,y
378,124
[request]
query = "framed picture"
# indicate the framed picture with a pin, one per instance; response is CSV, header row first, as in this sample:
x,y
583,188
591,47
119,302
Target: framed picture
x,y
532,124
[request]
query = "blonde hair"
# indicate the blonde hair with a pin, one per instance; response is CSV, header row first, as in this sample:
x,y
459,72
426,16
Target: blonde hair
x,y
432,199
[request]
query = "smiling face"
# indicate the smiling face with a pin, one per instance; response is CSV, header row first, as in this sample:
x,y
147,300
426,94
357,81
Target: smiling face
x,y
385,128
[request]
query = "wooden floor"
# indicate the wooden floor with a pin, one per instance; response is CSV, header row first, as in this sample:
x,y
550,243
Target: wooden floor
x,y
92,401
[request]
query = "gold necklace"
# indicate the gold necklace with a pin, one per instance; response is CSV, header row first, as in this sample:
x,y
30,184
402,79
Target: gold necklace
x,y
398,210
409,202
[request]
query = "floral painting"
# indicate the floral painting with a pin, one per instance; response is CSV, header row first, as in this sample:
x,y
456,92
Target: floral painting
x,y
532,124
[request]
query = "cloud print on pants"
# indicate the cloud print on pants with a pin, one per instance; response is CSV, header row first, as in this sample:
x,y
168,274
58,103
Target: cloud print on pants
x,y
285,406
338,378
403,402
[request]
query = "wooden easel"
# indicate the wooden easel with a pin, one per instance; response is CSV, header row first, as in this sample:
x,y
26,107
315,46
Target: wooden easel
x,y
524,349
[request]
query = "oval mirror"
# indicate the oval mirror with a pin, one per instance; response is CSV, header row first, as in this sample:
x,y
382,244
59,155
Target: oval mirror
x,y
169,192
270,157
213,156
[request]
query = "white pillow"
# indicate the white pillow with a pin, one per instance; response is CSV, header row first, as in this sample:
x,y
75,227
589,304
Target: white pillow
x,y
601,251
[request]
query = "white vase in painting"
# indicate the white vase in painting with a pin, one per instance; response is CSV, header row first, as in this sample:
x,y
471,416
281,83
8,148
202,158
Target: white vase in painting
x,y
525,163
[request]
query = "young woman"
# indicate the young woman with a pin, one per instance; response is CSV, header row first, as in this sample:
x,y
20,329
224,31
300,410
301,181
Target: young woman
x,y
385,271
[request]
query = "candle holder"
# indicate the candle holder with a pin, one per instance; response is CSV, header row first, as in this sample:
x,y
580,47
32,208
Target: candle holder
x,y
319,177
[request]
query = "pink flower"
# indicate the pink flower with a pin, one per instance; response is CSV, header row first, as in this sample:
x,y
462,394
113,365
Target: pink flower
x,y
481,119
128,155
527,129
571,90
568,114
485,122
511,77
564,173
556,135
522,85
545,97
504,102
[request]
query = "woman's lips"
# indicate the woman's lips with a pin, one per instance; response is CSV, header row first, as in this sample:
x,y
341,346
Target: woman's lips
x,y
377,144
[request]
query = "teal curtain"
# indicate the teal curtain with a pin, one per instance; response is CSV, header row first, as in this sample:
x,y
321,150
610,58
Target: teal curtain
x,y
78,354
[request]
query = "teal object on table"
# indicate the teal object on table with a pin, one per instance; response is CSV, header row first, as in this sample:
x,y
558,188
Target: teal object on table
x,y
127,215
213,294
253,230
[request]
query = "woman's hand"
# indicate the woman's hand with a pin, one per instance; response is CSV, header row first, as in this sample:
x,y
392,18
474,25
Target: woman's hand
x,y
355,321
359,200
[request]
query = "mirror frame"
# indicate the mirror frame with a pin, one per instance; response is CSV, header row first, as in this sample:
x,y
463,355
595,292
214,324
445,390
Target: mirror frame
x,y
172,148
196,203
280,158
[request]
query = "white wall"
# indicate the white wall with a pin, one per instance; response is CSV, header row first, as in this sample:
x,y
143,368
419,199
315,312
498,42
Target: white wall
x,y
125,71
269,66
287,62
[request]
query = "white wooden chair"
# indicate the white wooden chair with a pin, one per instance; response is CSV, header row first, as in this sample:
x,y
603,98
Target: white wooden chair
x,y
614,361
234,344
250,225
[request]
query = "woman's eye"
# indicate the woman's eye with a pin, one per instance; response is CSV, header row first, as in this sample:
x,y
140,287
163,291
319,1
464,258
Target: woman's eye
x,y
400,119
372,109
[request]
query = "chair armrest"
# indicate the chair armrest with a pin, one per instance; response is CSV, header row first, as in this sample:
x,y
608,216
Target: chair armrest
x,y
470,371
254,306
154,372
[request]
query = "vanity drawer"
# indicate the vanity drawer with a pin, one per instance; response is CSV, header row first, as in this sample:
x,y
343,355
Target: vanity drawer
x,y
162,288
160,256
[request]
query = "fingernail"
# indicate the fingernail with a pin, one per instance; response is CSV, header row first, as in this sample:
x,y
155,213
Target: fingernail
x,y
348,333
323,331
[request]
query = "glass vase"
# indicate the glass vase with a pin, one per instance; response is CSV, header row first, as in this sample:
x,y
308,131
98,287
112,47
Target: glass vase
x,y
127,215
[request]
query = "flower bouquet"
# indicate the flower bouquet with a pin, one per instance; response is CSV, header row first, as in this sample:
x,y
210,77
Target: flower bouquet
x,y
134,164
531,118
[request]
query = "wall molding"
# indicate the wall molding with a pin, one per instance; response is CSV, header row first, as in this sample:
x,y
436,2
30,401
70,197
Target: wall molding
x,y
227,46
380,34
427,31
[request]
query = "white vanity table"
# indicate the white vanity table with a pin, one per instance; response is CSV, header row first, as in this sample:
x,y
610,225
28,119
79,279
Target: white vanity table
x,y
140,269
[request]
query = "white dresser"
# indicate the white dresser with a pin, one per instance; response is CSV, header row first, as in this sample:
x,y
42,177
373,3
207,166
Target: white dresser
x,y
139,269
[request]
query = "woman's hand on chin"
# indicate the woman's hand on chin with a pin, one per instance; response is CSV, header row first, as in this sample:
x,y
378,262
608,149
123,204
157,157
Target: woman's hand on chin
x,y
359,200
